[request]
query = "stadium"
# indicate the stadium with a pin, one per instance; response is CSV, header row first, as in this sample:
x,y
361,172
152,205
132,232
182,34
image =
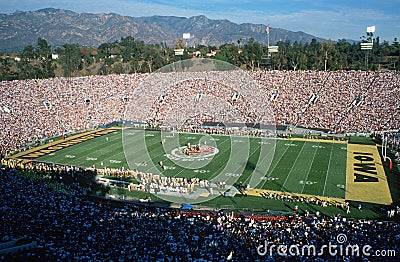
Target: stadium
x,y
207,159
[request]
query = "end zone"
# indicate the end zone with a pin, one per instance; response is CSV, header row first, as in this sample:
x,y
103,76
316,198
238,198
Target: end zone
x,y
36,152
366,180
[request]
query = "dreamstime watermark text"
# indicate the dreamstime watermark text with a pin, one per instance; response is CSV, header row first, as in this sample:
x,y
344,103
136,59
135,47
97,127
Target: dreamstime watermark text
x,y
332,249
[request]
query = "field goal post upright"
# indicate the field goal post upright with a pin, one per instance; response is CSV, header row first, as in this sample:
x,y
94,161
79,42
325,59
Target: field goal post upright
x,y
384,151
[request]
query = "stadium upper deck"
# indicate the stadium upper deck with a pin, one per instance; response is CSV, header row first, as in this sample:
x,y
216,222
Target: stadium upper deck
x,y
339,101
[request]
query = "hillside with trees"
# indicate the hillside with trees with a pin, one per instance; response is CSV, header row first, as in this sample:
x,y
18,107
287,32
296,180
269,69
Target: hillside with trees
x,y
128,55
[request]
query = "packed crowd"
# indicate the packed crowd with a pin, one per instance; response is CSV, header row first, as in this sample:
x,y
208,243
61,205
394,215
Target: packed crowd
x,y
394,141
31,110
68,226
212,96
379,94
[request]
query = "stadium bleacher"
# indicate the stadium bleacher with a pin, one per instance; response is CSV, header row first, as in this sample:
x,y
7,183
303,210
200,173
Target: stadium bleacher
x,y
42,108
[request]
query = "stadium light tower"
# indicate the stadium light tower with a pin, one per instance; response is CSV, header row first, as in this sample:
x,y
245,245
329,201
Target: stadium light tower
x,y
267,61
267,31
368,44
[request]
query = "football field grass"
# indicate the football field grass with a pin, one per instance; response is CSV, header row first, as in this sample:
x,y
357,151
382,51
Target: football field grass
x,y
312,167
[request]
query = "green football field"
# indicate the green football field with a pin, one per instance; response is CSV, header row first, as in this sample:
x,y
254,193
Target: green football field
x,y
313,167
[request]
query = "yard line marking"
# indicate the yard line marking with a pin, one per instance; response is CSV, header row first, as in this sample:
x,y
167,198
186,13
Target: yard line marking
x,y
327,171
256,169
291,170
276,164
309,169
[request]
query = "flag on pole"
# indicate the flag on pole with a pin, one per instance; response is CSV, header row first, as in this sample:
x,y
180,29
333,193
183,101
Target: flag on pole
x,y
267,30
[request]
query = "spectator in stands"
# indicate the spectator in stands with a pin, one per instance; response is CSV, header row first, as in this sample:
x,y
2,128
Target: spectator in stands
x,y
69,226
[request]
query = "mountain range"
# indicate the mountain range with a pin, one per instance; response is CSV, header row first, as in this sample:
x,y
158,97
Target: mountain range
x,y
58,26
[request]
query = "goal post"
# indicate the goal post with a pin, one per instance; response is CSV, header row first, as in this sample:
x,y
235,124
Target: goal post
x,y
384,152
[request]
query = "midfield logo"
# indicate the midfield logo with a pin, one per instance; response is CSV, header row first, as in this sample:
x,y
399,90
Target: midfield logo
x,y
192,153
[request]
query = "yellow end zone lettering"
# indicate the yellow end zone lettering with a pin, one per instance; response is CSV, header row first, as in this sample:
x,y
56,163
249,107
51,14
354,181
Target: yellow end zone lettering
x,y
366,179
47,149
33,155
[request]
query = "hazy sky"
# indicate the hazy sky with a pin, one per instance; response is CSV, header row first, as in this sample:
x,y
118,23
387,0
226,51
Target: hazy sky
x,y
338,19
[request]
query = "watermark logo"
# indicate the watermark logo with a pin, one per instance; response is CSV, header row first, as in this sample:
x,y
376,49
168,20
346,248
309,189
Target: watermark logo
x,y
340,248
341,238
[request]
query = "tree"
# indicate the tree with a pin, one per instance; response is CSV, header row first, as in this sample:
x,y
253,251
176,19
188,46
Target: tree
x,y
118,68
229,53
128,46
46,65
86,53
43,49
135,67
26,70
253,52
179,44
144,68
5,69
29,53
280,59
71,59
137,56
47,69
